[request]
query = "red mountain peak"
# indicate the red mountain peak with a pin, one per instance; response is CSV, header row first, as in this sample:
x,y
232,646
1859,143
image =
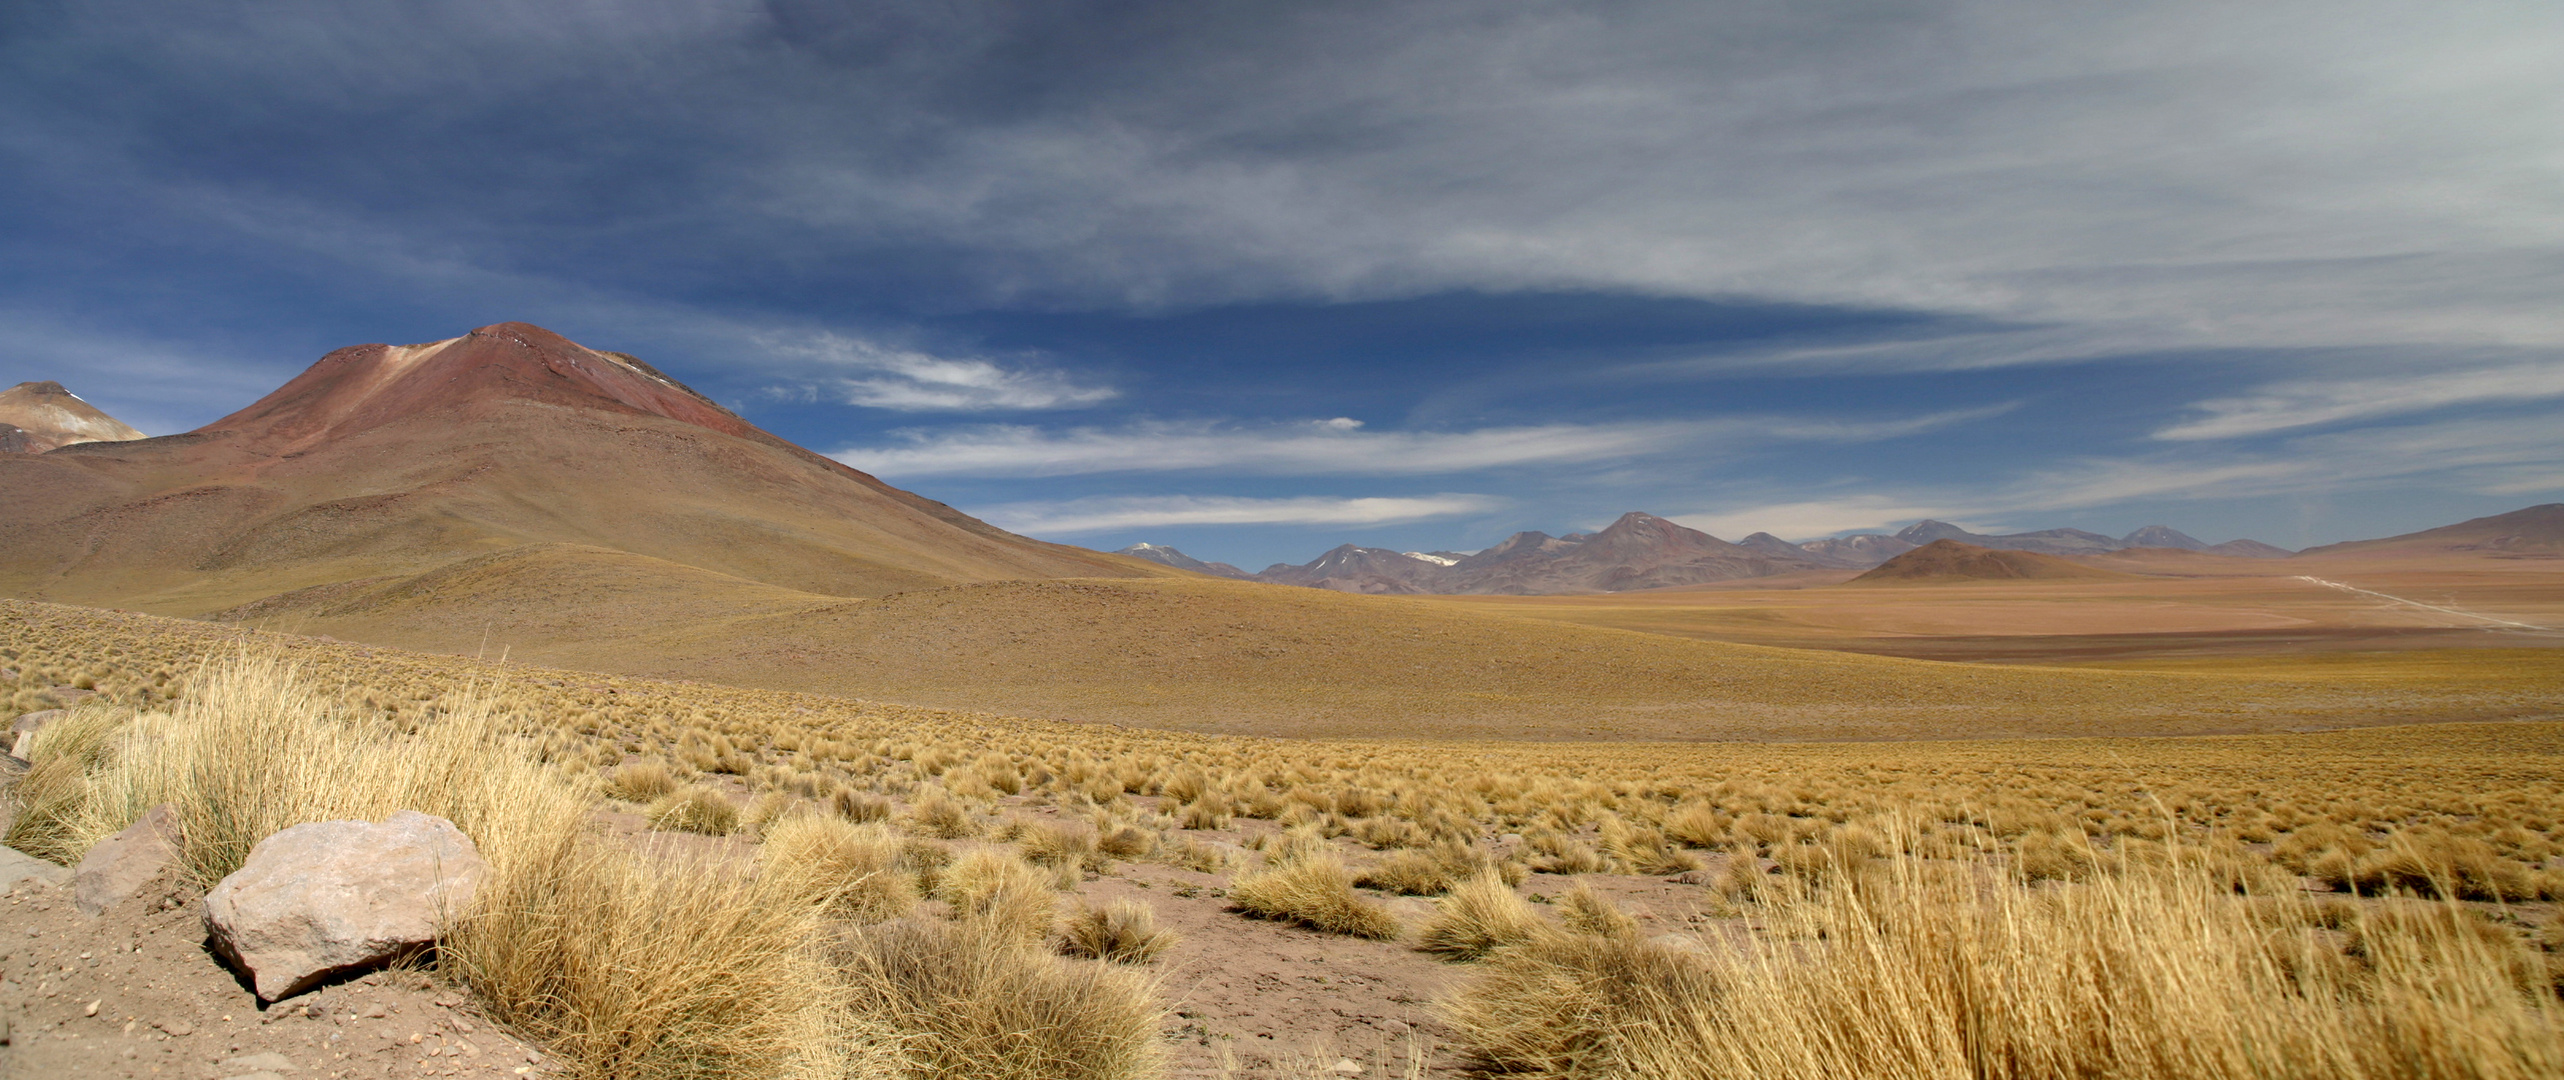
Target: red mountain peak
x,y
365,386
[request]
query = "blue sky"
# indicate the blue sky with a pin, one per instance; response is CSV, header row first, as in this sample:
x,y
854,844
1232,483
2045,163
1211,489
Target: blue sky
x,y
1256,279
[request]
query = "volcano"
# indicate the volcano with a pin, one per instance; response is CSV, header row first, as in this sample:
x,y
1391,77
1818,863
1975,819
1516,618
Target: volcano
x,y
39,416
381,461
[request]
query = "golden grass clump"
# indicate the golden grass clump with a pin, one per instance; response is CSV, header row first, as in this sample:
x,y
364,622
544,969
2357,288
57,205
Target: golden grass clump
x,y
1478,917
939,816
648,966
974,1006
640,781
1315,891
1585,911
1933,969
846,870
695,809
1122,932
999,894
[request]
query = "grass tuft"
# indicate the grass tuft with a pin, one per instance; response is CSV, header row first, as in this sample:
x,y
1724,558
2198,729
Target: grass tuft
x,y
1315,891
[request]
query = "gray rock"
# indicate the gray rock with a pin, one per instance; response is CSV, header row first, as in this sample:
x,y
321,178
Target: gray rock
x,y
118,868
334,896
268,1061
17,866
22,731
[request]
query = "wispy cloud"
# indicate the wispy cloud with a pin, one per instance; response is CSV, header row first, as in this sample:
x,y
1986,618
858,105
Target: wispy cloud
x,y
1106,513
2504,457
1344,446
2283,406
881,377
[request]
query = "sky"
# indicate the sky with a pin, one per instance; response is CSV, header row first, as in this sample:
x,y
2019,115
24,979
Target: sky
x,y
1256,279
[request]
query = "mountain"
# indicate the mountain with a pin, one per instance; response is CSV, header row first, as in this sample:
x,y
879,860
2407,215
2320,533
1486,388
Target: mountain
x,y
1356,569
2536,532
1639,551
1865,549
1947,561
1167,556
382,462
2046,541
39,416
2248,549
2162,536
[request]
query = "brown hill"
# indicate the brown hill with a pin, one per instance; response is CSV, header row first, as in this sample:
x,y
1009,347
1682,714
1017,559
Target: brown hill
x,y
39,416
383,461
1944,561
2536,532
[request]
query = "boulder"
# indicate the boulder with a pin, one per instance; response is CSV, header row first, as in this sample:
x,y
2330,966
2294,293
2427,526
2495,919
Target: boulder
x,y
17,866
22,732
333,896
118,868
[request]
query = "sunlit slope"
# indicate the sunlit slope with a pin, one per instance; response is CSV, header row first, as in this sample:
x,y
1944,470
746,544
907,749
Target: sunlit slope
x,y
1207,655
395,460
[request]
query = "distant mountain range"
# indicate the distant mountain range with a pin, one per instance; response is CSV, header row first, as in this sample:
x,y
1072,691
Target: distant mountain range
x,y
1643,551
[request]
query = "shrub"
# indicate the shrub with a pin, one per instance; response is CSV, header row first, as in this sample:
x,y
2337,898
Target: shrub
x,y
975,1006
1317,892
1480,916
640,781
1005,897
1123,932
695,809
858,806
1587,912
940,817
847,870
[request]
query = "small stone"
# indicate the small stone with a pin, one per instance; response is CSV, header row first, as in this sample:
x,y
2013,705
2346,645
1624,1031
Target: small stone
x,y
4,1031
17,866
1345,1067
176,1029
119,866
91,1009
266,1061
255,1076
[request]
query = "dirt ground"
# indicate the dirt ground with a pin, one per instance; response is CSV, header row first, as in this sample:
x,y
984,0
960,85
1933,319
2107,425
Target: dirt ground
x,y
1245,997
133,993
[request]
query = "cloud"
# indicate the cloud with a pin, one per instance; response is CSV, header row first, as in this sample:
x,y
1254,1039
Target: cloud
x,y
2282,406
912,381
2517,455
1107,513
1345,447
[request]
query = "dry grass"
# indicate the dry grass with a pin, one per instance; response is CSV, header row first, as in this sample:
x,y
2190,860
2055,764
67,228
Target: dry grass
x,y
1124,932
642,966
640,782
974,1006
694,809
1480,916
1000,895
1315,891
847,871
2458,811
1929,970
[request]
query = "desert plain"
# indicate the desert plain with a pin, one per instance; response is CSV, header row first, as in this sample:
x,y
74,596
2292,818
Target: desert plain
x,y
781,771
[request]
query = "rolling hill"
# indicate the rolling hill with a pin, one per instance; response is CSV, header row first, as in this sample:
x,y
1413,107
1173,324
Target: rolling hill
x,y
1949,561
2536,532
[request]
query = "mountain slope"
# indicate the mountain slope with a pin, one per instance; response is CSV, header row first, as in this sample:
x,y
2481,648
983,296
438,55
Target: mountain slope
x,y
390,460
1167,556
2533,532
39,416
2045,541
1947,561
